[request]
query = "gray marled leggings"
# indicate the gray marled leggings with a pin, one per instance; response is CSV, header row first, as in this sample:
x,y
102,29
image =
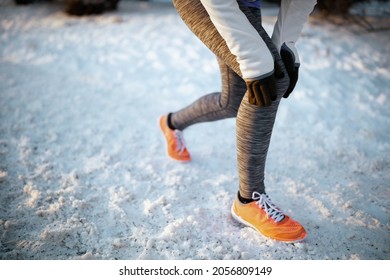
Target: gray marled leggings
x,y
254,124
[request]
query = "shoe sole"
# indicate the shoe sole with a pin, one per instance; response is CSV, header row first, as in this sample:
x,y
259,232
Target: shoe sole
x,y
166,145
242,221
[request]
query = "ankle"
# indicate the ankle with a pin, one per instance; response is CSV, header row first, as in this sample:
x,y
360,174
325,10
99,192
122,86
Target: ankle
x,y
169,122
243,199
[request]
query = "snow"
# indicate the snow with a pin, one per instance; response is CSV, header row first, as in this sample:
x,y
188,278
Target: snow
x,y
83,169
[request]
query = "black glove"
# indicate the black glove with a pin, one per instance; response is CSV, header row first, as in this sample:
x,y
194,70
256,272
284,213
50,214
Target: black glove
x,y
292,68
262,92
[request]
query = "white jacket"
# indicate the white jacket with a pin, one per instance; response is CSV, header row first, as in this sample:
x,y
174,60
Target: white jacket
x,y
244,42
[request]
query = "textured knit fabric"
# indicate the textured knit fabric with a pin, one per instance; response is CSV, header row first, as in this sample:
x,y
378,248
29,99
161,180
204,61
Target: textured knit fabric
x,y
252,3
254,124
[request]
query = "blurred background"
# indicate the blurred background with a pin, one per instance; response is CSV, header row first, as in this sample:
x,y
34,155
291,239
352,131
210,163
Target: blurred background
x,y
365,13
85,7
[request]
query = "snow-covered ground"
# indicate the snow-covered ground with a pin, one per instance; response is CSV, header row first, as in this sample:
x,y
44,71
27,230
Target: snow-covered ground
x,y
83,170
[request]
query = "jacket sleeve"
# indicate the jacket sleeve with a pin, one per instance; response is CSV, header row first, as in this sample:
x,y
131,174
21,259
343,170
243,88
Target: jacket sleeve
x,y
292,16
241,37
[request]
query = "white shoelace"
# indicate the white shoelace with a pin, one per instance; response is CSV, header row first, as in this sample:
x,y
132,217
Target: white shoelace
x,y
265,203
180,140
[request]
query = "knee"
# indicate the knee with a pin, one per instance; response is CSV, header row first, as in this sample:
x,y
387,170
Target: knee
x,y
230,106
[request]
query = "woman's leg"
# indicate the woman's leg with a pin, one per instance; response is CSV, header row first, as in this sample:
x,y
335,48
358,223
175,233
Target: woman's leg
x,y
254,128
254,124
214,106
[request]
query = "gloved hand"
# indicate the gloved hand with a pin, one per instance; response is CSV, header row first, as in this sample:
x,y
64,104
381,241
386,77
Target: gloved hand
x,y
291,63
261,92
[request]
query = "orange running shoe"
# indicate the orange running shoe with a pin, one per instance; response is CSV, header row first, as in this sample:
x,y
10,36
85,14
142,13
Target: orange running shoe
x,y
266,218
176,147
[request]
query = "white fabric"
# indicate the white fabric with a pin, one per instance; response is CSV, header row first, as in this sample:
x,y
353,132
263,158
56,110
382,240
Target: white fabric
x,y
241,37
244,42
292,16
